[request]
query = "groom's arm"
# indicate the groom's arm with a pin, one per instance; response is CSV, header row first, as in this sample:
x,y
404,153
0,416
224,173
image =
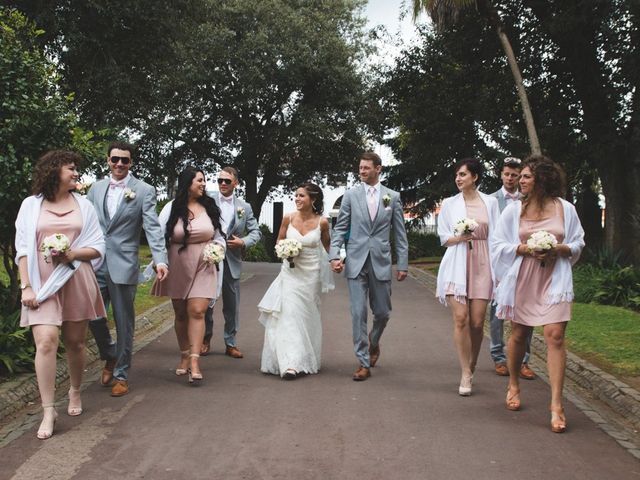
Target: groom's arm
x,y
342,227
400,237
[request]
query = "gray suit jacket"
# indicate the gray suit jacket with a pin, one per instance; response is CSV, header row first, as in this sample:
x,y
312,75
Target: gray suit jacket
x,y
502,202
243,226
122,232
368,237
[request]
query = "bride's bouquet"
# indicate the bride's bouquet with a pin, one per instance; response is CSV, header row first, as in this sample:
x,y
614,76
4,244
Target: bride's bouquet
x,y
465,226
541,241
213,254
54,246
288,248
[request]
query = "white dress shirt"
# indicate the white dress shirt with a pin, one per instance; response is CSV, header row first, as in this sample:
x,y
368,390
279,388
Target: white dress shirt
x,y
115,194
226,212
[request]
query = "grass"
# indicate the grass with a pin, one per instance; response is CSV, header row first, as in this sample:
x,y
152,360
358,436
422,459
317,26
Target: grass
x,y
606,336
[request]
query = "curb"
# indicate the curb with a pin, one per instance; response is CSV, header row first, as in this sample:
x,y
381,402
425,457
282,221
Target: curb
x,y
623,399
21,391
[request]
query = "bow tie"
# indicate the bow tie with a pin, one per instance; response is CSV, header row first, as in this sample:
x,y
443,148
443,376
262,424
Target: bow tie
x,y
114,184
228,200
512,196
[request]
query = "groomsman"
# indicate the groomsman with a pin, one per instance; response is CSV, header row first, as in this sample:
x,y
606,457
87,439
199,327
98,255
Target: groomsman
x,y
368,213
241,229
125,205
508,194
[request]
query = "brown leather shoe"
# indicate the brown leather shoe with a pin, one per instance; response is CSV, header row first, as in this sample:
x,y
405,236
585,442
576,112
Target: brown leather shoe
x,y
120,388
361,374
107,373
205,349
233,352
526,372
502,370
374,353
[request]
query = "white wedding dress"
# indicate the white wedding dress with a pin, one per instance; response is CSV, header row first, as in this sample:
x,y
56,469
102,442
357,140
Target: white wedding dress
x,y
290,309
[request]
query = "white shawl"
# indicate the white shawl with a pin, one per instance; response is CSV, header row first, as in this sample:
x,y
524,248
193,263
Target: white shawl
x,y
506,263
26,246
453,267
163,218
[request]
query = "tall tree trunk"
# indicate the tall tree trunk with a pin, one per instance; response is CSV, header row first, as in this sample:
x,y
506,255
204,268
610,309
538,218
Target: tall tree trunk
x,y
588,208
487,8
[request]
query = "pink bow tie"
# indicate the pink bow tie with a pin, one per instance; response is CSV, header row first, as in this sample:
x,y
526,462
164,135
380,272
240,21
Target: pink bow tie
x,y
226,199
512,196
114,184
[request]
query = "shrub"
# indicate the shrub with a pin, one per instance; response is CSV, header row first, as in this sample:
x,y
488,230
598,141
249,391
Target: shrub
x,y
613,285
17,350
424,245
257,253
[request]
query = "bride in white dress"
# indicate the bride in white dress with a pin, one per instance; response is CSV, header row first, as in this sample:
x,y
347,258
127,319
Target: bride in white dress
x,y
290,309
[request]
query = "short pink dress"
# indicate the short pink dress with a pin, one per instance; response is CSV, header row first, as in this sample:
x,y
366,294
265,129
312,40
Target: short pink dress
x,y
479,283
534,280
79,299
189,276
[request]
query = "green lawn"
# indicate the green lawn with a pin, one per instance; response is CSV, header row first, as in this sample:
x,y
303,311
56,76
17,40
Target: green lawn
x,y
607,336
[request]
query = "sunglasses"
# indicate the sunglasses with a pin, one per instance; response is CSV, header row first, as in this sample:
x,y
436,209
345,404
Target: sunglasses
x,y
226,181
124,160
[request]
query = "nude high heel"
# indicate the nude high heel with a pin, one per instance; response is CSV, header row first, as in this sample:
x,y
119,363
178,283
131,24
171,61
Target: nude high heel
x,y
74,410
184,355
513,400
194,378
46,427
558,420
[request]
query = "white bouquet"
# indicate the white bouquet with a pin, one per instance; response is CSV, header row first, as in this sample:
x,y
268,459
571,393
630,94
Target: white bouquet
x,y
465,226
213,254
288,248
54,246
541,241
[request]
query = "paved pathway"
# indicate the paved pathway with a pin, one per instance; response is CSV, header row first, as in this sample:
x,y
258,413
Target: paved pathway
x,y
405,422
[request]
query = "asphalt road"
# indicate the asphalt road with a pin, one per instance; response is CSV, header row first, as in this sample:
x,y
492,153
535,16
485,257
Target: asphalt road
x,y
406,422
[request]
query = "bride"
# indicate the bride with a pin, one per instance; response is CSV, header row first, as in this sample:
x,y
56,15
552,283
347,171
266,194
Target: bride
x,y
290,310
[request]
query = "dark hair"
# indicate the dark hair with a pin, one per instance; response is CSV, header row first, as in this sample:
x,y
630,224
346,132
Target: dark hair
x,y
317,197
549,180
372,157
180,209
121,146
46,173
511,162
231,170
473,165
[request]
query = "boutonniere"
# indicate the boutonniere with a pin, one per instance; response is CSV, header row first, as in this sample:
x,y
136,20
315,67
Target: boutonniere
x,y
386,201
83,188
129,194
240,212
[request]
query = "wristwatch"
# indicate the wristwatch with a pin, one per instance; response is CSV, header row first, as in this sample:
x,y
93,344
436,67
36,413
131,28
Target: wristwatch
x,y
24,286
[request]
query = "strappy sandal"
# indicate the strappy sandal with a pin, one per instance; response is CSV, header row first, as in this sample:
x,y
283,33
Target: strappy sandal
x,y
44,433
194,378
513,400
74,410
558,420
184,355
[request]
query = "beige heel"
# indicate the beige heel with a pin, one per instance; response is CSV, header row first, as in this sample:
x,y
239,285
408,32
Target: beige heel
x,y
46,429
184,355
558,420
74,410
194,378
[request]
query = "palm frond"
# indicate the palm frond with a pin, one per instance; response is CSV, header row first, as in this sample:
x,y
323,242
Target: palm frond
x,y
442,12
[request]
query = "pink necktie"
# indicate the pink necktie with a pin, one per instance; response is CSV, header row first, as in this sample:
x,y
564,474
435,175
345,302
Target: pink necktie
x,y
371,202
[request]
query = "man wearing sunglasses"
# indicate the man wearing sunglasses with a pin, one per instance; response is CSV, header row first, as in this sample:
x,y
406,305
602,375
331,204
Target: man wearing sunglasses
x,y
241,229
510,174
125,205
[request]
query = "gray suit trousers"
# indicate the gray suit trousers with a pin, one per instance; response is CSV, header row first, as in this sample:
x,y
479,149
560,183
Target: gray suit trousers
x,y
378,292
121,297
230,310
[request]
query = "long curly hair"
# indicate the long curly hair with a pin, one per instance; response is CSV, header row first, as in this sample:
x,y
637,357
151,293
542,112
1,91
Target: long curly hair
x,y
317,197
549,180
180,209
46,173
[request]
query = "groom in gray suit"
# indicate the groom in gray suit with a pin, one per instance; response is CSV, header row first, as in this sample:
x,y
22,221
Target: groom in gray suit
x,y
124,206
368,213
241,229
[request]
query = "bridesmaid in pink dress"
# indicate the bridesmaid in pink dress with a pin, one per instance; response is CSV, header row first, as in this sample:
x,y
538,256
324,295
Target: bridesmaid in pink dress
x,y
192,282
465,276
57,210
542,184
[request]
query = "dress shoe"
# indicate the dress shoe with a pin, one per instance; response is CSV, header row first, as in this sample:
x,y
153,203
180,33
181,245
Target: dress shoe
x,y
290,374
502,370
361,374
107,373
374,353
205,349
233,352
526,372
120,388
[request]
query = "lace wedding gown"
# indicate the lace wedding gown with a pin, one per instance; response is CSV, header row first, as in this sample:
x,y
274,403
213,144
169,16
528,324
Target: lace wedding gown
x,y
290,309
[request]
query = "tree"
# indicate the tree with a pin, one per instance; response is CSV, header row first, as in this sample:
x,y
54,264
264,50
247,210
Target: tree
x,y
446,12
35,117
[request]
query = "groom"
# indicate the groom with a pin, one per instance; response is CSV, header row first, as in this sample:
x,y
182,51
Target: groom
x,y
368,212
